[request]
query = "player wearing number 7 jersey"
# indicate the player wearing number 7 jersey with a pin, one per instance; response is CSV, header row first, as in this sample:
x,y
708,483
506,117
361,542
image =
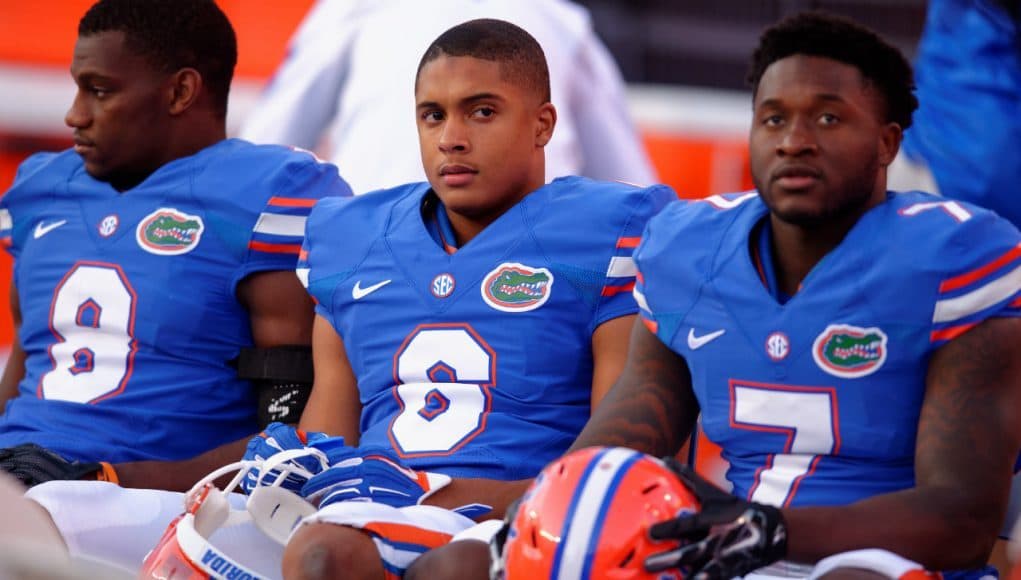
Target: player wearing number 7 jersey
x,y
854,351
471,322
151,254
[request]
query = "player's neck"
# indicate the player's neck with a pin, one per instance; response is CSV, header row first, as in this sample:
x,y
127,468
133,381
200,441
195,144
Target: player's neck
x,y
194,137
796,250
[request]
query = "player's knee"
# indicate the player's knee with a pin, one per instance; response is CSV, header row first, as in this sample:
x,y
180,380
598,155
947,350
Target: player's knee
x,y
320,551
464,560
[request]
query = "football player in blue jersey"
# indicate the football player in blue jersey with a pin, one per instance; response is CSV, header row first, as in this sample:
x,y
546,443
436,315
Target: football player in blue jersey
x,y
852,350
148,258
471,322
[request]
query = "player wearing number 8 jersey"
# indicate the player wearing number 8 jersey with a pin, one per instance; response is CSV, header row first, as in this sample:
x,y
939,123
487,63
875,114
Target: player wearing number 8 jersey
x,y
148,256
114,289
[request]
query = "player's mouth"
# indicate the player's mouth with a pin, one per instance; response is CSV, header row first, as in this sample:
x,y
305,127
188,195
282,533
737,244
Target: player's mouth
x,y
796,177
455,175
83,146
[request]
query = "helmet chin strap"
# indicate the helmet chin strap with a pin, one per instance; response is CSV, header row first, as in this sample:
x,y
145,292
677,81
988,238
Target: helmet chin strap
x,y
273,509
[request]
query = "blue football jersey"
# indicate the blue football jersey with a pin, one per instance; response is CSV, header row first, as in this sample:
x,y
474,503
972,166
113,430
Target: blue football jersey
x,y
476,363
129,313
816,401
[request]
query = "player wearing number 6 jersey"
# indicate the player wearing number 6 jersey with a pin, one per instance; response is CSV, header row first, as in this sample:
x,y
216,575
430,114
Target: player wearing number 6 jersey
x,y
148,256
470,323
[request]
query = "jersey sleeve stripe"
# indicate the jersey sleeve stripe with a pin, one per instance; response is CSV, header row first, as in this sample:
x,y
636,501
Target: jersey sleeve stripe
x,y
6,222
280,225
614,290
1016,303
971,277
640,299
303,255
950,333
628,242
1003,288
303,276
275,248
650,324
729,202
291,201
621,267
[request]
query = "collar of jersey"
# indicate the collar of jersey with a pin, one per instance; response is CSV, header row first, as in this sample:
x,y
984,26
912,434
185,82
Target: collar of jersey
x,y
437,223
763,259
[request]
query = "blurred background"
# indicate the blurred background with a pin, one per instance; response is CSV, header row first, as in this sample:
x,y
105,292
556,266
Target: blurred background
x,y
684,62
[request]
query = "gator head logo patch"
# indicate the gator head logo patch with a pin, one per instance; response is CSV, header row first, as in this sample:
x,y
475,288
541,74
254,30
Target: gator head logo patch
x,y
169,232
513,287
848,351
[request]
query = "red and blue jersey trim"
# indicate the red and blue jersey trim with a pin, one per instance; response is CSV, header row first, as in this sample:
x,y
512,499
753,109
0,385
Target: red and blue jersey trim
x,y
968,298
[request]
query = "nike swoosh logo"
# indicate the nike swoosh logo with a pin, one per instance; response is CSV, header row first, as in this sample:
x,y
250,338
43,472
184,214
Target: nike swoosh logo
x,y
358,292
697,342
41,230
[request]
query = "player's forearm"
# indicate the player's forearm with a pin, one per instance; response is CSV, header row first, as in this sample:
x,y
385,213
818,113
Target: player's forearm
x,y
651,407
178,475
495,493
931,526
12,375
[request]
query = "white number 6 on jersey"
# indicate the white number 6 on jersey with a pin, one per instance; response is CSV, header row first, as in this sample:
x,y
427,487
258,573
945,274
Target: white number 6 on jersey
x,y
444,372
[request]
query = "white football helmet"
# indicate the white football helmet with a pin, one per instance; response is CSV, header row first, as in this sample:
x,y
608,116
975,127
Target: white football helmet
x,y
185,552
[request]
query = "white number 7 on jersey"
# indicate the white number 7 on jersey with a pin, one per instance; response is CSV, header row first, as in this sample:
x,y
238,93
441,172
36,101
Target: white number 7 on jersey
x,y
807,415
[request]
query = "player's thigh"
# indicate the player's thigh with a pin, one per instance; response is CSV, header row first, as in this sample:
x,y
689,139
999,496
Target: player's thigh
x,y
466,557
105,522
400,535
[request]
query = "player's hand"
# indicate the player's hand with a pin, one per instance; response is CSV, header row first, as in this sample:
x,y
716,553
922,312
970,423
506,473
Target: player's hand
x,y
377,476
727,537
277,437
33,465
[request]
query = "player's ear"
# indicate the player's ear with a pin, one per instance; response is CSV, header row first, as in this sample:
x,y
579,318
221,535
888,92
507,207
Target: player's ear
x,y
890,136
546,120
184,88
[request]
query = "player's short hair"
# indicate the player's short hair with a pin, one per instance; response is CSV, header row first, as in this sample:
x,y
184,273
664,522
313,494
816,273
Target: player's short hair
x,y
844,40
517,51
171,35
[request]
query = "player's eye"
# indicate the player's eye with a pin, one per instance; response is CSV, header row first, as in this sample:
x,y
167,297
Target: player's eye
x,y
99,92
828,119
772,120
432,116
483,112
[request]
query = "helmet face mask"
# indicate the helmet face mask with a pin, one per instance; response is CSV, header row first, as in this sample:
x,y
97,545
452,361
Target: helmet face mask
x,y
184,552
588,515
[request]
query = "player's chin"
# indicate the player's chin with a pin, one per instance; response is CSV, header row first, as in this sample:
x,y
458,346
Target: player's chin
x,y
96,168
800,214
459,199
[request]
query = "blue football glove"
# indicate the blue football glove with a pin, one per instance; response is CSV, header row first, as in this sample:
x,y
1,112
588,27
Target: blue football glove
x,y
726,538
279,437
377,476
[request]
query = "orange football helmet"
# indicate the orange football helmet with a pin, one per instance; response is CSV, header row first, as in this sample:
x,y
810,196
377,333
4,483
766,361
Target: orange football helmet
x,y
588,515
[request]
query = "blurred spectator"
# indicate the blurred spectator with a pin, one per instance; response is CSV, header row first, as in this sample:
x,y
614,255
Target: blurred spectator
x,y
346,88
967,129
